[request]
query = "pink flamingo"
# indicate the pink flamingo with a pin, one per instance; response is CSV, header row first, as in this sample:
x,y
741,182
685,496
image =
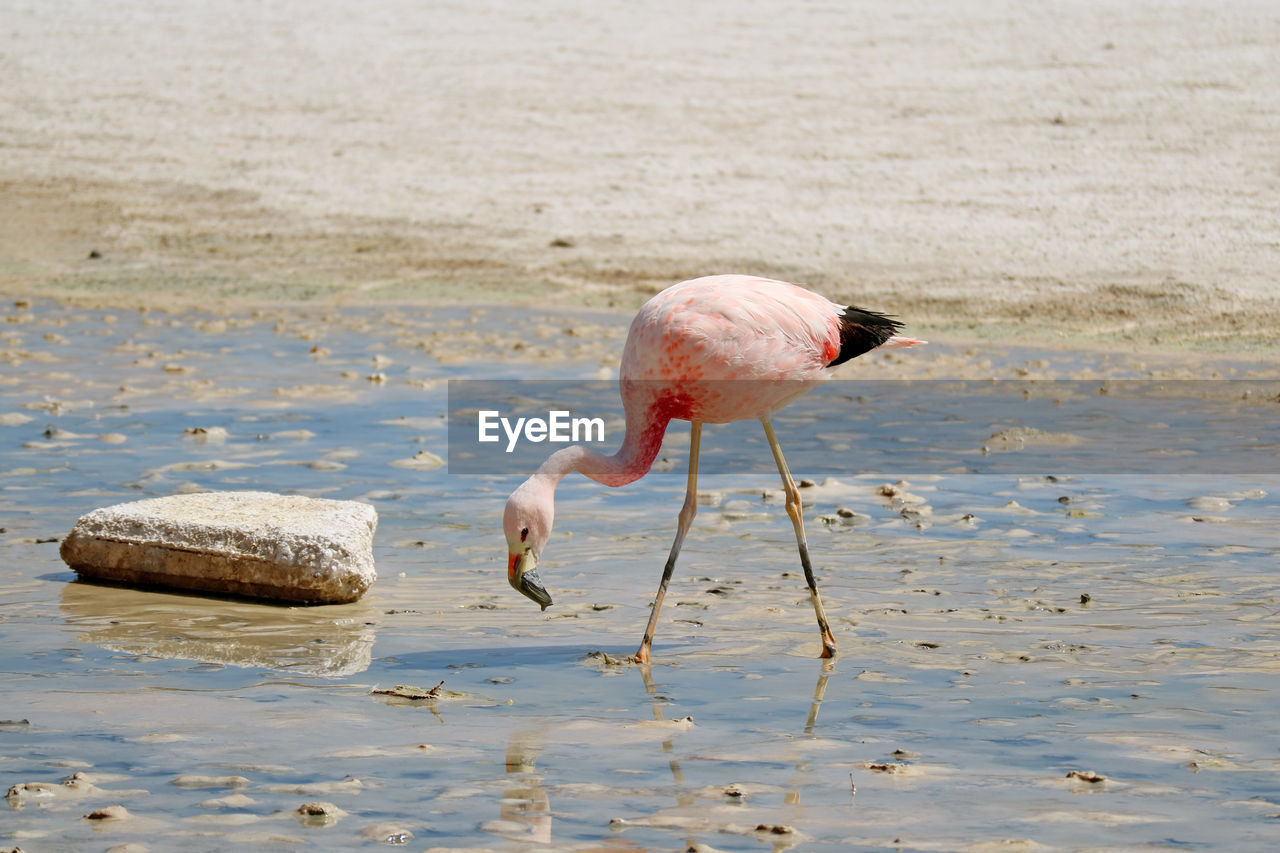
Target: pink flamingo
x,y
710,350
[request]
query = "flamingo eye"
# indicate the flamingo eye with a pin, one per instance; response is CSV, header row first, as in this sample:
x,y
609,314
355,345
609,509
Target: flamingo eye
x,y
524,534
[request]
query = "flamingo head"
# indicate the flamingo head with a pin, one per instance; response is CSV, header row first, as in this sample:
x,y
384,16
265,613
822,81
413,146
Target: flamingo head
x,y
527,525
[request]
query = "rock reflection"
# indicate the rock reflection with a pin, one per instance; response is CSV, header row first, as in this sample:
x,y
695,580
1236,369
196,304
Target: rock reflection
x,y
335,640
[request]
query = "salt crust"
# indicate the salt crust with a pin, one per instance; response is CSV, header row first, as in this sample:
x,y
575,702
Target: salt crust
x,y
257,544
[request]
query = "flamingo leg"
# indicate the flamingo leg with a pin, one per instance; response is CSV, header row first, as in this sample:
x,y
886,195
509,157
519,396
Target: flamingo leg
x,y
796,511
685,519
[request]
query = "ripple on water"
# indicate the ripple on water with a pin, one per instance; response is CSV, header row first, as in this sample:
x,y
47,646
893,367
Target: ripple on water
x,y
999,631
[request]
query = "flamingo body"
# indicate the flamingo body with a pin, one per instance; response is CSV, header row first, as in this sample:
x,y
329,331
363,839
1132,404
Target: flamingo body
x,y
689,346
709,350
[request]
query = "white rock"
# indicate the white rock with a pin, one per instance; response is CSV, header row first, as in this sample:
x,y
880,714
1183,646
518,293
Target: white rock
x,y
257,544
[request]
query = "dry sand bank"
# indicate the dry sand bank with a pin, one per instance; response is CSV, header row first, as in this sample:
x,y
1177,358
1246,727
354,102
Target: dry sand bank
x,y
1011,170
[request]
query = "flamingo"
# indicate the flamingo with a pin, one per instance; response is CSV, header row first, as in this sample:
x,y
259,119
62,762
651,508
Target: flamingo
x,y
709,350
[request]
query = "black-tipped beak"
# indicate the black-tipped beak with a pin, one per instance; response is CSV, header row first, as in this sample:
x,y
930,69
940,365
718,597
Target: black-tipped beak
x,y
522,572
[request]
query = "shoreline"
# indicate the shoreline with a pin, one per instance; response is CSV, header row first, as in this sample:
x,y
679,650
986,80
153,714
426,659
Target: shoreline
x,y
104,245
554,337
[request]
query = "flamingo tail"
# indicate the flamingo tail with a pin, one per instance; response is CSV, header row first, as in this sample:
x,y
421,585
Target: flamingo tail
x,y
901,342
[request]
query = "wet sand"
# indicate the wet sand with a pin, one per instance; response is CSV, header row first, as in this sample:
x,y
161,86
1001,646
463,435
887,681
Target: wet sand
x,y
1027,661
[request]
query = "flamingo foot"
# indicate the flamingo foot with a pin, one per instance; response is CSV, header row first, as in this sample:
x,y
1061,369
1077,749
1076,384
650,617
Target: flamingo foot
x,y
642,654
828,645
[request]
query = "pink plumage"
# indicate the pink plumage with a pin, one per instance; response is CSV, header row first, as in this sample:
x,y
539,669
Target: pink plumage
x,y
693,339
710,350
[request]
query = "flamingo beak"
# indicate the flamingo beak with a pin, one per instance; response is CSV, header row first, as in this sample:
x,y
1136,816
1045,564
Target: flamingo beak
x,y
522,572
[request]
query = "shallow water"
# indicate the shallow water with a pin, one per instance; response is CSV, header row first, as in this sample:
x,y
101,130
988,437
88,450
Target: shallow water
x,y
997,630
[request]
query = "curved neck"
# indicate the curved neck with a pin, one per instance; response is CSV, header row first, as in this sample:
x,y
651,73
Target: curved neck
x,y
640,446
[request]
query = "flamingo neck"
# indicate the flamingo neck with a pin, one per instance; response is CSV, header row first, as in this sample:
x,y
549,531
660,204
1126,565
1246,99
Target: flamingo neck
x,y
640,446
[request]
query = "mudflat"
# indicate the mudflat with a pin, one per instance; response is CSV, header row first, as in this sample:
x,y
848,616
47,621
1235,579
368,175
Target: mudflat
x,y
1057,652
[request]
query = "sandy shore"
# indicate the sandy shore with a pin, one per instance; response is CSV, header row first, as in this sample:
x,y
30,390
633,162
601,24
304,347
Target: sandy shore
x,y
1059,175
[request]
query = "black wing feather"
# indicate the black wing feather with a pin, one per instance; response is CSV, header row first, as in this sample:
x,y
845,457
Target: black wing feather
x,y
862,331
